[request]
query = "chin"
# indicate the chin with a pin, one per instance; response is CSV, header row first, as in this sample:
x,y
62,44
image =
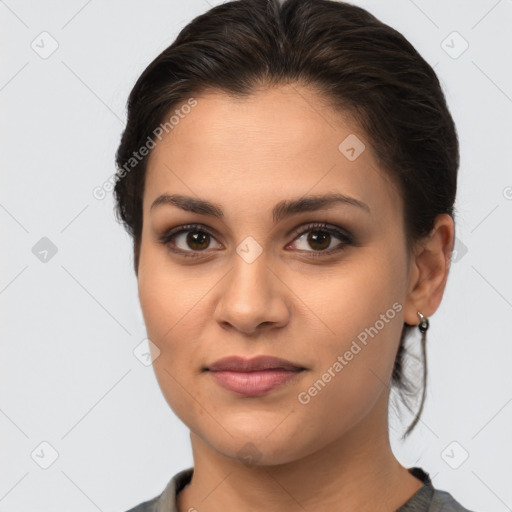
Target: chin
x,y
258,450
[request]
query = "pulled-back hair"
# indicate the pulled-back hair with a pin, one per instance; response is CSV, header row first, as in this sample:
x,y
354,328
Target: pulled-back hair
x,y
361,66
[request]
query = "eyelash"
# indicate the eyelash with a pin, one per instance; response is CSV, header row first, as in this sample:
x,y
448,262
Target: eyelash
x,y
345,237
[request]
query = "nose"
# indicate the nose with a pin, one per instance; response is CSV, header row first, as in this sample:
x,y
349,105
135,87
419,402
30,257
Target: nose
x,y
252,297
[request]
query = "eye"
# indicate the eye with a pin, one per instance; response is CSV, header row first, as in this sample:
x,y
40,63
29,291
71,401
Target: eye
x,y
188,240
320,237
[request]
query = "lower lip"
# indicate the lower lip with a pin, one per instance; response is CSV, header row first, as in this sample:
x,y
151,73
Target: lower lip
x,y
253,383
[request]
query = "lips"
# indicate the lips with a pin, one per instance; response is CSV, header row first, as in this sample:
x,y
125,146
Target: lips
x,y
253,377
259,363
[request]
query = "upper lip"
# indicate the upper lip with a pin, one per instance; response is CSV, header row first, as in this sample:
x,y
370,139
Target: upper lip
x,y
240,364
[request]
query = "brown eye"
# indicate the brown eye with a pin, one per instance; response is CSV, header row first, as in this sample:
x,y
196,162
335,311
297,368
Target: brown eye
x,y
187,241
318,241
319,238
198,240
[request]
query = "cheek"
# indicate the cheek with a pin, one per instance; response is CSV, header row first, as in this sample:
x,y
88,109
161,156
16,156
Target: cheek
x,y
353,367
353,299
364,317
167,295
171,304
163,307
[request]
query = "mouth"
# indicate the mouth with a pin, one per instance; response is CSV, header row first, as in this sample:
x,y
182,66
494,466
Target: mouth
x,y
253,377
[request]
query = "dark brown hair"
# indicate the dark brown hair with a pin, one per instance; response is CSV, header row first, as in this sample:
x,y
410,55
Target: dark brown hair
x,y
360,65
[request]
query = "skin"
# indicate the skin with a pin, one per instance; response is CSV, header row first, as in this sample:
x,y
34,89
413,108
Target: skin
x,y
247,155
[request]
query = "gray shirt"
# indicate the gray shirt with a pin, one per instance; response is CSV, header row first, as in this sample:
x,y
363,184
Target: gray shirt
x,y
425,499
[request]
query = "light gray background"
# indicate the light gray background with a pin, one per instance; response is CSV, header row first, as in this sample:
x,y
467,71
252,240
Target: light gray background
x,y
70,323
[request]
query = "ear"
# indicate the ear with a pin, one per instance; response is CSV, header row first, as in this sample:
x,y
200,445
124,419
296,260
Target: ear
x,y
428,270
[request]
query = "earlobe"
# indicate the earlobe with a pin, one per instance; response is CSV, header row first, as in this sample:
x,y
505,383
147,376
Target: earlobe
x,y
429,272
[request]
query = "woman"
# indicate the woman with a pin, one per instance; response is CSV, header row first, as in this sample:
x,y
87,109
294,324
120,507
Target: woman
x,y
288,174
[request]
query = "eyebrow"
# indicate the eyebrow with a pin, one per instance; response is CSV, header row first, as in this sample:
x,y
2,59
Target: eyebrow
x,y
281,210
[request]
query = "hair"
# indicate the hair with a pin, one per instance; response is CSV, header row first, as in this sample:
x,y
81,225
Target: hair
x,y
361,66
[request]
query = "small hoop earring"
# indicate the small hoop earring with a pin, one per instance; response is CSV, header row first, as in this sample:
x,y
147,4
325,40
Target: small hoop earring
x,y
424,323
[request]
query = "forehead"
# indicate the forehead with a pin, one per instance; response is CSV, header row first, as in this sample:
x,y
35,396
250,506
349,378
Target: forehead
x,y
280,142
273,124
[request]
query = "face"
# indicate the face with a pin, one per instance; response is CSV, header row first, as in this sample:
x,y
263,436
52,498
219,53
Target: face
x,y
321,286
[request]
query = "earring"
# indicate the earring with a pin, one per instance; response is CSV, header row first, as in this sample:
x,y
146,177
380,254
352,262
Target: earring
x,y
422,326
424,323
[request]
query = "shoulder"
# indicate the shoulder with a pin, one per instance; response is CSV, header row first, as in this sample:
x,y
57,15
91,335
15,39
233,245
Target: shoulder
x,y
443,501
166,501
429,498
146,506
